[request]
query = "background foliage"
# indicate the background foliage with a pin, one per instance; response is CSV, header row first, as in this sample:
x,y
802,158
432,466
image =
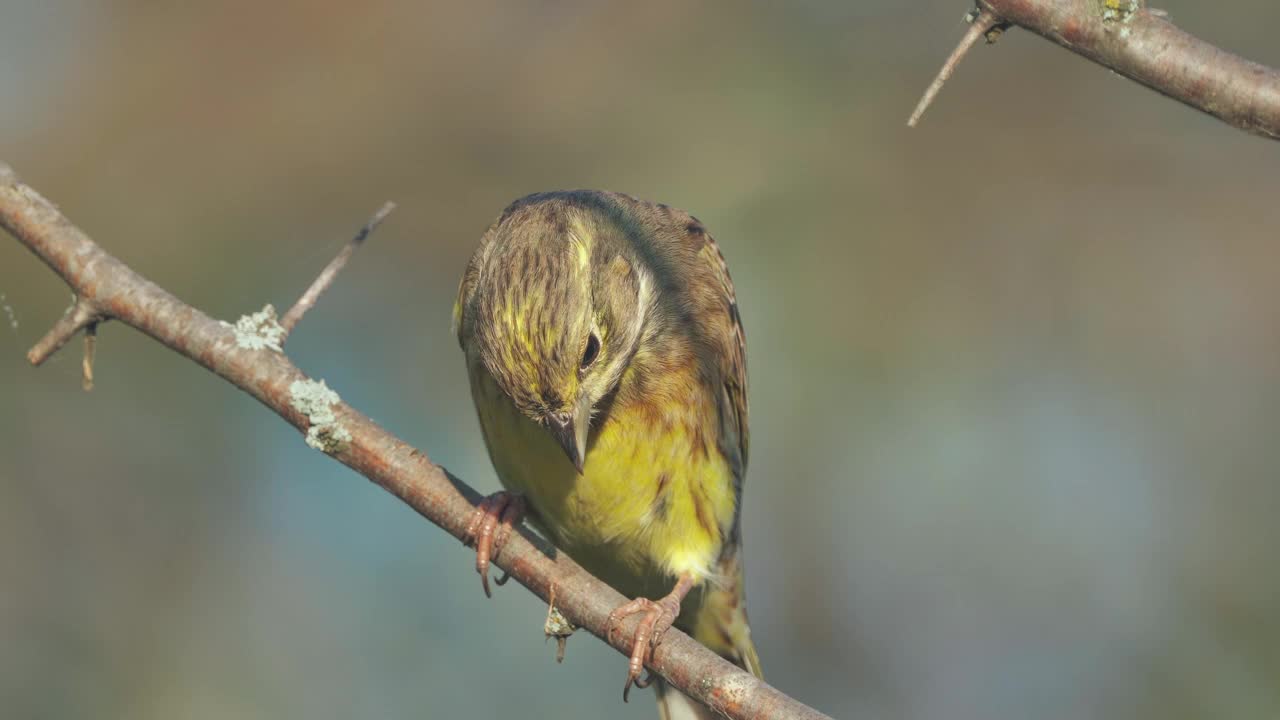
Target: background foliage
x,y
1015,378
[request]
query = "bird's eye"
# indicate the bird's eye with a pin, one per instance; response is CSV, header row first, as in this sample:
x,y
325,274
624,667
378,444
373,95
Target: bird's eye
x,y
589,355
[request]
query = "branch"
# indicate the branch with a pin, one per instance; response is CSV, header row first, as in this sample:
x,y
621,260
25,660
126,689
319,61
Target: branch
x,y
326,277
107,288
980,23
80,316
1143,45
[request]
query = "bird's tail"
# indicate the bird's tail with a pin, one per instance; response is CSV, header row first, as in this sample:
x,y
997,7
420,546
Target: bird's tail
x,y
720,623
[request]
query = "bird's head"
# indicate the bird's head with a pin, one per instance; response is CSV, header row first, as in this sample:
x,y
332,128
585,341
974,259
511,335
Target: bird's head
x,y
553,307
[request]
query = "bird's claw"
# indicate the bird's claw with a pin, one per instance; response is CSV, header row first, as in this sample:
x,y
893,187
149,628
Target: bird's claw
x,y
489,529
659,615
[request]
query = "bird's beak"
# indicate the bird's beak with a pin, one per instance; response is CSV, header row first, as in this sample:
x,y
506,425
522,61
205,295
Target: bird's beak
x,y
571,432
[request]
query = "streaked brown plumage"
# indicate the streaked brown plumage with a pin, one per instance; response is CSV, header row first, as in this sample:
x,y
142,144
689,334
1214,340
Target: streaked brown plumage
x,y
607,362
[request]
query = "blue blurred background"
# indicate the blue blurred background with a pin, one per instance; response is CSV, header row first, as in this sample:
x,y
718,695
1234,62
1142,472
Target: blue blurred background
x,y
1015,373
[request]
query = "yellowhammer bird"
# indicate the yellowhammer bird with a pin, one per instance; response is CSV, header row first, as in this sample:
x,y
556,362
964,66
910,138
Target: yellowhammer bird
x,y
608,368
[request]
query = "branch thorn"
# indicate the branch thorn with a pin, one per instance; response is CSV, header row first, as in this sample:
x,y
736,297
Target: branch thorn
x,y
90,345
330,272
80,316
982,23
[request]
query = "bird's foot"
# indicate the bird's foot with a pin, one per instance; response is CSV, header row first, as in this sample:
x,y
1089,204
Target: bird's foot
x,y
658,618
490,526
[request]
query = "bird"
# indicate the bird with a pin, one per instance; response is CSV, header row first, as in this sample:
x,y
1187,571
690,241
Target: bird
x,y
607,365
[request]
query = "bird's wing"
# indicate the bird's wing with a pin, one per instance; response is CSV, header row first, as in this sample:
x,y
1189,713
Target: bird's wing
x,y
727,331
721,622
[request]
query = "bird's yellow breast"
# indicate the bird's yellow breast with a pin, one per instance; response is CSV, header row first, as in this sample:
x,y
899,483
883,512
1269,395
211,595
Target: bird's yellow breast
x,y
655,498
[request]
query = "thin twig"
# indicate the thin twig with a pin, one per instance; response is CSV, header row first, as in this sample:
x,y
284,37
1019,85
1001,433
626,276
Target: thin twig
x,y
356,441
77,317
86,365
327,276
979,26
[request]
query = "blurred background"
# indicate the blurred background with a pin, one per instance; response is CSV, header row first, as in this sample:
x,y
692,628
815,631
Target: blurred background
x,y
1015,373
